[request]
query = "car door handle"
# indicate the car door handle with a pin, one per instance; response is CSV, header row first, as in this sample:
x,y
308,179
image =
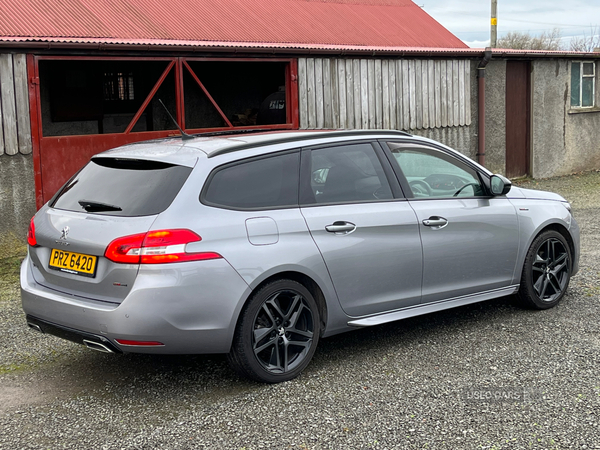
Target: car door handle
x,y
435,222
341,227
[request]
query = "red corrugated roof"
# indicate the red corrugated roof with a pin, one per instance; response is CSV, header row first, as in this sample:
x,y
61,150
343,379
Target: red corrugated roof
x,y
277,23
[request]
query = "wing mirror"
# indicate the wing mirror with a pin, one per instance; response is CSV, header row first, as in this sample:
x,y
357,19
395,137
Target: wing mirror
x,y
499,185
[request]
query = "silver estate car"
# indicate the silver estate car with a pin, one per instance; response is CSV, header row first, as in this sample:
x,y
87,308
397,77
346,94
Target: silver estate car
x,y
258,245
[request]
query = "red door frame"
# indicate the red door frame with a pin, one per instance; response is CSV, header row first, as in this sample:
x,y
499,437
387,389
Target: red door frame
x,y
64,155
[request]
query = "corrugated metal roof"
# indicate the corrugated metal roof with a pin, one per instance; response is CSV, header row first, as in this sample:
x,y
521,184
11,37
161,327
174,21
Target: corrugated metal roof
x,y
299,24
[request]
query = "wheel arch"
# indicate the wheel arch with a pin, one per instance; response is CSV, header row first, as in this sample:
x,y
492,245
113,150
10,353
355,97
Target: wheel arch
x,y
305,280
565,233
559,228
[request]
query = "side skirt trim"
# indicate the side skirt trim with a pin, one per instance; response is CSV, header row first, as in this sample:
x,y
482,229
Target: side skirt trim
x,y
432,307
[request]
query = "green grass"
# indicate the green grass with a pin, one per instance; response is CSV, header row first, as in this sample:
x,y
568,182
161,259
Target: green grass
x,y
12,252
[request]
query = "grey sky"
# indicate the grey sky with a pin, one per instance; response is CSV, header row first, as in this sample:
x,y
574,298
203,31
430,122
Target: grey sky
x,y
470,19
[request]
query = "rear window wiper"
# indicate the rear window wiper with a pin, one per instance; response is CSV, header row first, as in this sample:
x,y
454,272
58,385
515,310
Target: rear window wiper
x,y
91,206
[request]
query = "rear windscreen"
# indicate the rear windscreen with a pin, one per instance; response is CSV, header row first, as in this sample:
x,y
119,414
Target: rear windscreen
x,y
122,187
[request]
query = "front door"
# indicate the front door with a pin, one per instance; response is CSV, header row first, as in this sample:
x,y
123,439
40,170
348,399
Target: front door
x,y
470,239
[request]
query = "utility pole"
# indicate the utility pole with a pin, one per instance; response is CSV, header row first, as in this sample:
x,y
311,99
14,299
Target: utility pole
x,y
494,32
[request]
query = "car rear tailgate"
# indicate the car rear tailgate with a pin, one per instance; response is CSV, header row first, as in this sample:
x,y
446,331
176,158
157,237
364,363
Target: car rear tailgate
x,y
78,236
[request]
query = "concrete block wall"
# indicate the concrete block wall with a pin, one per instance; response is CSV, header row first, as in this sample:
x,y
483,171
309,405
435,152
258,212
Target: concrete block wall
x,y
564,140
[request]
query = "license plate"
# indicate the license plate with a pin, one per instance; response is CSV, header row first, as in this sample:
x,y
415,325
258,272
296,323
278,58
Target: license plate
x,y
74,263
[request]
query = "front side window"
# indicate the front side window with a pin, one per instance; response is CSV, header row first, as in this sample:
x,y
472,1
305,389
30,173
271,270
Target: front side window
x,y
347,173
583,84
431,173
264,183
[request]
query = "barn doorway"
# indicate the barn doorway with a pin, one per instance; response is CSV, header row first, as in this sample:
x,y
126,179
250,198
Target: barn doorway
x,y
81,106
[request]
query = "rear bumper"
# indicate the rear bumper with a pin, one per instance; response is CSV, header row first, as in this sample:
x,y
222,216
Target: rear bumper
x,y
191,309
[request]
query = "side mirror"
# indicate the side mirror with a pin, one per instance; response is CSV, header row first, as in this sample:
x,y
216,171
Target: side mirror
x,y
499,185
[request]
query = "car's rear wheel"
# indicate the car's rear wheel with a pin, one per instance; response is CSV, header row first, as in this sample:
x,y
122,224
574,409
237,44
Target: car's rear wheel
x,y
546,272
277,333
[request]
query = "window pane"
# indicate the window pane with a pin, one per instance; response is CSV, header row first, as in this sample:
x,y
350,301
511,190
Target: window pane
x,y
588,68
587,91
350,173
575,83
260,183
82,97
248,93
432,173
150,187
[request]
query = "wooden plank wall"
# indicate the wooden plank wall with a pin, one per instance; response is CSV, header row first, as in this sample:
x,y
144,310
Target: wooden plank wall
x,y
384,93
15,129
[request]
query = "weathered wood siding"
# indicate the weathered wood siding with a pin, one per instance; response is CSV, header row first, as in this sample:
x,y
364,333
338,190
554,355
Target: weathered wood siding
x,y
15,129
403,94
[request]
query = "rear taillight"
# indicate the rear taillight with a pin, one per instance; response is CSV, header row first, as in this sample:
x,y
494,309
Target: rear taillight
x,y
31,234
125,249
156,247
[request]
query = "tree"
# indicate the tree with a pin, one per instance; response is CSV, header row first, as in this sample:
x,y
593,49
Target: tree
x,y
586,43
548,40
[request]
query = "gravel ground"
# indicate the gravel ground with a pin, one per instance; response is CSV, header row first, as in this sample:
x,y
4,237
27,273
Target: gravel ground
x,y
489,376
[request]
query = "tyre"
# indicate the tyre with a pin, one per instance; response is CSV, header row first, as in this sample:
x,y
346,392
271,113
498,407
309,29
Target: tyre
x,y
277,333
546,272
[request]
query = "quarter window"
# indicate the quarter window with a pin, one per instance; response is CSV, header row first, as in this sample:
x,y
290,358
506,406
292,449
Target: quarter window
x,y
583,84
347,173
263,183
431,173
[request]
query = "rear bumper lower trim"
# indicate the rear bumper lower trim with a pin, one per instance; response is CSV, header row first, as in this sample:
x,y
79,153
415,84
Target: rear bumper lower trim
x,y
70,334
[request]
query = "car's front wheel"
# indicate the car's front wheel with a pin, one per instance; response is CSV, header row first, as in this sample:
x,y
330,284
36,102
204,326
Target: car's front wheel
x,y
277,333
546,272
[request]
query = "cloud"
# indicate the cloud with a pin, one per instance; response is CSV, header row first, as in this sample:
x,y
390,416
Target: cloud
x,y
478,44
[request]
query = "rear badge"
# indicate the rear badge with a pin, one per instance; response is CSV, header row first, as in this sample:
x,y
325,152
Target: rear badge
x,y
64,233
119,284
62,240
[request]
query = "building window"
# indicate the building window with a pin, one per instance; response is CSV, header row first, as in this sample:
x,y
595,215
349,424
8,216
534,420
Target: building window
x,y
118,86
583,84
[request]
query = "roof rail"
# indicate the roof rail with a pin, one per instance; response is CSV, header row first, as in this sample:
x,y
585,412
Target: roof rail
x,y
323,134
233,131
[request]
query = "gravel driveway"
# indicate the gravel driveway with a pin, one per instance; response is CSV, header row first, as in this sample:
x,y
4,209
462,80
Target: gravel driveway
x,y
489,376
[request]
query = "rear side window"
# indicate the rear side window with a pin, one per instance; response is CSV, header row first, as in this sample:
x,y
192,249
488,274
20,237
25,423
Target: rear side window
x,y
122,187
264,183
347,173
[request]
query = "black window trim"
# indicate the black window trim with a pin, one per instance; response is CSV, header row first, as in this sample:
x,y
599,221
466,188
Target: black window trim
x,y
306,194
213,172
483,177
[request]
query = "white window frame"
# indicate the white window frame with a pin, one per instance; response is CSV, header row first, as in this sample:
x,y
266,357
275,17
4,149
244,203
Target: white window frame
x,y
582,76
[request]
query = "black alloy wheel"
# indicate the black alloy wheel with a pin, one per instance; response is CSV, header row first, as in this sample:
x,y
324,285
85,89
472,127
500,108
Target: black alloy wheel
x,y
277,333
547,271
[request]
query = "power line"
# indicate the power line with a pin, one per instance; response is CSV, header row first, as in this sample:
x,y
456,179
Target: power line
x,y
503,30
502,18
543,23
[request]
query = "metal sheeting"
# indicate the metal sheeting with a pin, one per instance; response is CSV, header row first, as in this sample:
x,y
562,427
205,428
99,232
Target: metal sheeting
x,y
383,23
390,93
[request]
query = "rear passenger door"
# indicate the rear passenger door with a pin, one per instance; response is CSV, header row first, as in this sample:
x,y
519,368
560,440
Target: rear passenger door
x,y
366,231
